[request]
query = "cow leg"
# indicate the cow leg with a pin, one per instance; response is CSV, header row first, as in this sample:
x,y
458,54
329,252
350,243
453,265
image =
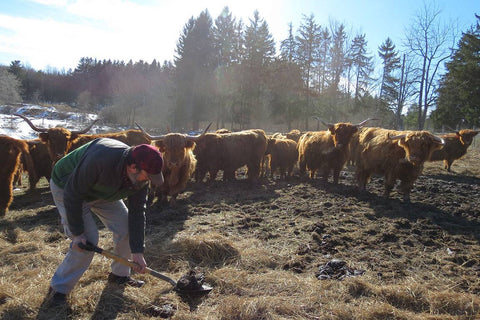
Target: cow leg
x,y
302,164
362,179
336,175
173,201
449,164
389,184
445,164
405,187
6,194
325,173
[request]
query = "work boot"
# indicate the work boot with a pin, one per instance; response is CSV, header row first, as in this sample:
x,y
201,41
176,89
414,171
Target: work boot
x,y
57,299
125,280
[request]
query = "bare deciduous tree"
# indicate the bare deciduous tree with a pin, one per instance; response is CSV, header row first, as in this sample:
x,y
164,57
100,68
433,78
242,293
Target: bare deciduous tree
x,y
430,41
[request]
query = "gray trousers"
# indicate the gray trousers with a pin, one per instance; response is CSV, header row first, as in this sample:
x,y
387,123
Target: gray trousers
x,y
114,215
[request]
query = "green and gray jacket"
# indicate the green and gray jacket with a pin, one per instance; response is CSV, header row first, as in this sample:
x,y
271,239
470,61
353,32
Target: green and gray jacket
x,y
95,171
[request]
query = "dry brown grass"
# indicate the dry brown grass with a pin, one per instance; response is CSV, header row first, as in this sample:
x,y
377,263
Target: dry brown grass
x,y
246,251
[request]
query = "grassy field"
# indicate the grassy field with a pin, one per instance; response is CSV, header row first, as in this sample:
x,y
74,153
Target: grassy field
x,y
263,249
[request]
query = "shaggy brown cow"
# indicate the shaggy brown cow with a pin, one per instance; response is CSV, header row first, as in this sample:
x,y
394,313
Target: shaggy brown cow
x,y
230,151
42,164
179,163
132,137
294,135
394,154
283,156
58,139
326,150
12,150
456,145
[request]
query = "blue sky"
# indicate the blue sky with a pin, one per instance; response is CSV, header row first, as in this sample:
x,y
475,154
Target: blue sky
x,y
47,34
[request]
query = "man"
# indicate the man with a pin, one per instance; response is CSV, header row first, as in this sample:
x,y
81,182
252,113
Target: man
x,y
94,179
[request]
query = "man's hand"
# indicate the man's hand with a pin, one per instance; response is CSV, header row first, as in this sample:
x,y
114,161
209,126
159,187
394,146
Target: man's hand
x,y
141,264
77,239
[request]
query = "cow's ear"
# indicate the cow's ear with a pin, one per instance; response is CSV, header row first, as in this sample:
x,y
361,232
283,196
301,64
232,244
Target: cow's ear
x,y
43,136
458,135
73,136
190,144
332,129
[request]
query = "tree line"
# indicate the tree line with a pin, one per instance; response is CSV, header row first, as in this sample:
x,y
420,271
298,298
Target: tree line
x,y
228,72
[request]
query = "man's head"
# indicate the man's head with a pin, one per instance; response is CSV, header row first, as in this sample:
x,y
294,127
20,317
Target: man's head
x,y
145,163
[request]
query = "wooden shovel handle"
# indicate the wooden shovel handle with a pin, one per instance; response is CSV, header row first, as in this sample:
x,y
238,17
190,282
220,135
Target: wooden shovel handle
x,y
131,264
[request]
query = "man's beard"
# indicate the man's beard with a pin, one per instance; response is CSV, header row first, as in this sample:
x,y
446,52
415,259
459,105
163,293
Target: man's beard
x,y
137,185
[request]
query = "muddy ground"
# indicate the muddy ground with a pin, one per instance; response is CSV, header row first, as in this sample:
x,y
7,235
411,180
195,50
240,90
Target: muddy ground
x,y
300,225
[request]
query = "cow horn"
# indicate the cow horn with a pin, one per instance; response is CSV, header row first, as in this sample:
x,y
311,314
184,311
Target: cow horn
x,y
203,133
325,123
361,124
438,140
86,129
400,136
31,124
148,135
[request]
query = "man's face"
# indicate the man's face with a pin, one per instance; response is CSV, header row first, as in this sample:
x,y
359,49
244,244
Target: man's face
x,y
139,178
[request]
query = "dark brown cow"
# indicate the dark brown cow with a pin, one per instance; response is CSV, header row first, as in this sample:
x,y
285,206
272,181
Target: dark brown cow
x,y
132,137
326,150
283,156
230,151
11,150
294,135
179,163
456,145
42,164
58,139
395,155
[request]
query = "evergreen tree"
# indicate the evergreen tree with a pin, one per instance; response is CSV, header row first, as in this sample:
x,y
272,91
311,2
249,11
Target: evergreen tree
x,y
307,44
391,64
459,92
288,46
259,53
337,57
227,41
194,72
362,65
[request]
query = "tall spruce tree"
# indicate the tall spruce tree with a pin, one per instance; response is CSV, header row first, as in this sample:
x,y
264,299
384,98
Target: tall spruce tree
x,y
307,43
362,65
391,65
288,46
194,72
259,53
459,93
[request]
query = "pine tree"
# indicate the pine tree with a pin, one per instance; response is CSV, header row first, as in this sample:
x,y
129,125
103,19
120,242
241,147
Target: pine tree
x,y
259,53
362,65
288,46
195,63
391,64
459,92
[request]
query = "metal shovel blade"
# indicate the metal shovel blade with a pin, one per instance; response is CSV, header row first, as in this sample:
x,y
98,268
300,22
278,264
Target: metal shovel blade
x,y
197,288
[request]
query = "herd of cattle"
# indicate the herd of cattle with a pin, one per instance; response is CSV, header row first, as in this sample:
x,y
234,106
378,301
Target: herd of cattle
x,y
397,155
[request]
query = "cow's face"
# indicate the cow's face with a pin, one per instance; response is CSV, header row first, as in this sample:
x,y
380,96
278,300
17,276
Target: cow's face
x,y
174,148
466,136
419,146
342,134
58,141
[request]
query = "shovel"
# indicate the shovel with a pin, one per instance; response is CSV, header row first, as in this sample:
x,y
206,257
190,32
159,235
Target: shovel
x,y
186,285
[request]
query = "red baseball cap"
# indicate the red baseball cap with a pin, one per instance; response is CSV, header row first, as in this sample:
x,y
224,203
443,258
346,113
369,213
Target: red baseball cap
x,y
149,158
